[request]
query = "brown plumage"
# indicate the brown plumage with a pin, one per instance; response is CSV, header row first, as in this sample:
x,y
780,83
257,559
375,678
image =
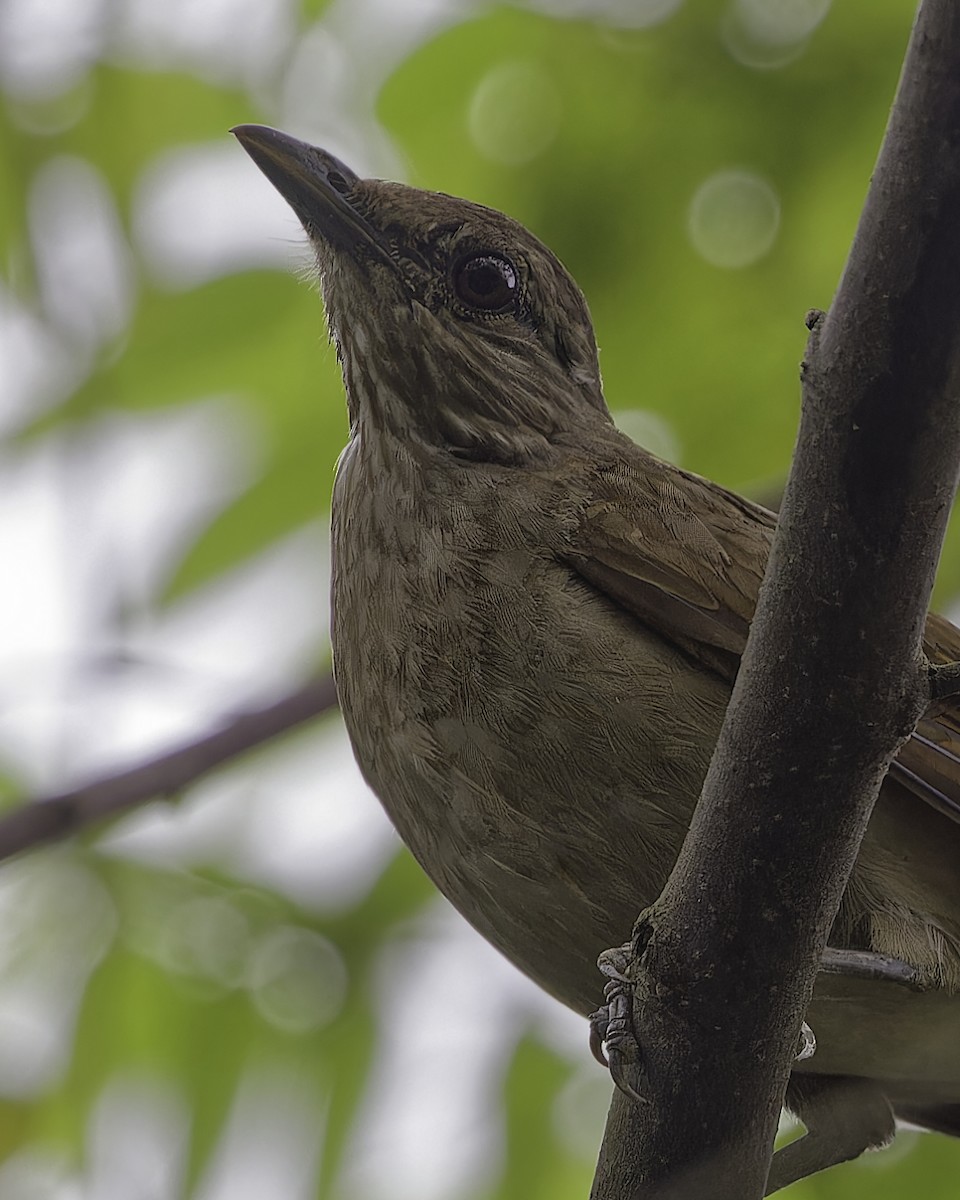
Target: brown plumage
x,y
536,622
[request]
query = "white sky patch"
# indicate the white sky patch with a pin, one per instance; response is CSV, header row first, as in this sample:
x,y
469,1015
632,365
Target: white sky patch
x,y
229,40
137,1141
86,274
47,45
271,1142
430,1128
238,645
93,525
157,477
37,371
202,211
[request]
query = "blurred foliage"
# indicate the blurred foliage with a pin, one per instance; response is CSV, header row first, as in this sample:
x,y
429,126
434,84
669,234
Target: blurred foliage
x,y
596,135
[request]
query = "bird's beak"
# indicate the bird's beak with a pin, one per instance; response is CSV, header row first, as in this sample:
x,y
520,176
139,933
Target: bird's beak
x,y
317,186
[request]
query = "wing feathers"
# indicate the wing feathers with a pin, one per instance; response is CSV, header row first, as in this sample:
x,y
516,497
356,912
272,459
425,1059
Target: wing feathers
x,y
686,558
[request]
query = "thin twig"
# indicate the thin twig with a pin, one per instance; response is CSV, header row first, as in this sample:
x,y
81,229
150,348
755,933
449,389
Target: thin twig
x,y
53,817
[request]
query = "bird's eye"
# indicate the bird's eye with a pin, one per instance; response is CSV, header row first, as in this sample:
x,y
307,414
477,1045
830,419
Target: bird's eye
x,y
486,281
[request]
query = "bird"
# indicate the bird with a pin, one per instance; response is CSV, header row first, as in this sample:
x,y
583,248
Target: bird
x,y
536,625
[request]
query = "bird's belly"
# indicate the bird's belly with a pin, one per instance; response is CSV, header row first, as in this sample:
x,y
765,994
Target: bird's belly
x,y
538,751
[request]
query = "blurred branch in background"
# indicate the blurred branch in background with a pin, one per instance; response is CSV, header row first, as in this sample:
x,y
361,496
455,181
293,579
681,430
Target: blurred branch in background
x,y
49,818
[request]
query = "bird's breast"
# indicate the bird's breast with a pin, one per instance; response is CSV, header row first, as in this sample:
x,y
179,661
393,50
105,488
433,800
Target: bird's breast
x,y
521,731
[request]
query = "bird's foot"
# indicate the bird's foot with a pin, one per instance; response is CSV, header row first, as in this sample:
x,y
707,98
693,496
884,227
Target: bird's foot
x,y
613,1039
944,681
613,1036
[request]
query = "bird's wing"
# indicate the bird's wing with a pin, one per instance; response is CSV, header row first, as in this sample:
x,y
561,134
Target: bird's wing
x,y
929,763
679,553
686,557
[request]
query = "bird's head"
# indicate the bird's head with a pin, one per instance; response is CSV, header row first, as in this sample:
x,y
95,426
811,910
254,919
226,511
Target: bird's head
x,y
455,326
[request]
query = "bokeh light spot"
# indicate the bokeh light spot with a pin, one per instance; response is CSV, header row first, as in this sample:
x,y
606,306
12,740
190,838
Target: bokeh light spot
x,y
733,218
769,34
298,979
620,14
207,938
781,22
515,113
637,14
650,430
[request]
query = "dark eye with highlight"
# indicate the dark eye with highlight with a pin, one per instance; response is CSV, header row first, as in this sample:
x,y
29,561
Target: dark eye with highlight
x,y
486,281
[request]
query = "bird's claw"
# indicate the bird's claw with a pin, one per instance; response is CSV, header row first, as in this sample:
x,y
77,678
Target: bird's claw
x,y
806,1043
613,1041
598,1030
618,1065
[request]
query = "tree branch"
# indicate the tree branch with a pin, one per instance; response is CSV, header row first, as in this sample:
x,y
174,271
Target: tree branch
x,y
831,683
54,817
